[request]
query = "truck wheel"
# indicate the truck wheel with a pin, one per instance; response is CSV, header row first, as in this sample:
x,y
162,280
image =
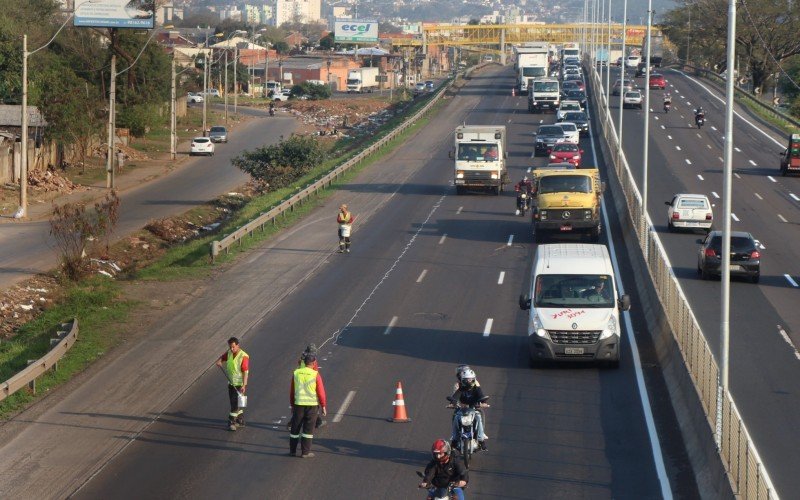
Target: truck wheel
x,y
784,172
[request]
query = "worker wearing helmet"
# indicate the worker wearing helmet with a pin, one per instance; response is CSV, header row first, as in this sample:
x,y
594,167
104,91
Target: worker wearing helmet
x,y
470,394
445,467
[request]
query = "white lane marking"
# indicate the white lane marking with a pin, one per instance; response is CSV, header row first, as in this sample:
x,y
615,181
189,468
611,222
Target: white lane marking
x,y
441,240
345,404
771,178
664,128
700,136
733,216
488,328
700,177
458,212
761,245
391,325
422,275
788,341
644,397
688,162
678,148
501,278
790,280
738,150
682,116
753,163
714,194
656,118
720,158
794,197
782,218
713,128
737,175
669,137
758,196
541,121
509,120
687,102
708,146
510,240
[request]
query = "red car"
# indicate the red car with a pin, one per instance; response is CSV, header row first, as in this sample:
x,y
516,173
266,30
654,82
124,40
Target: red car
x,y
657,81
566,153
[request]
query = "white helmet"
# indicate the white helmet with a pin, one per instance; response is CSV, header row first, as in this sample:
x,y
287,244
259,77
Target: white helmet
x,y
460,371
467,376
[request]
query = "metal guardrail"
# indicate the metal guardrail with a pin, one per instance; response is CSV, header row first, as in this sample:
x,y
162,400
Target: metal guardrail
x,y
325,182
746,472
36,368
747,96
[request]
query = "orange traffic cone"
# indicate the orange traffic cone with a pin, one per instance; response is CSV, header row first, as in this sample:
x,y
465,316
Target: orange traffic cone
x,y
399,404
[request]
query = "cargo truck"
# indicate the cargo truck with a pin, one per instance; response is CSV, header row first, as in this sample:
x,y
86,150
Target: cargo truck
x,y
362,80
480,158
544,93
567,201
656,51
532,61
790,158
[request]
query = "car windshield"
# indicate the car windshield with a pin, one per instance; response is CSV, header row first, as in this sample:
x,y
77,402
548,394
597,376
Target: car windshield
x,y
533,72
570,106
634,95
577,94
575,116
545,86
353,81
693,203
477,152
573,290
565,184
565,147
569,127
551,131
218,129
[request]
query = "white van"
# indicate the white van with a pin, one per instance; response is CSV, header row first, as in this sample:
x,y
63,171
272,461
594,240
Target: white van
x,y
573,303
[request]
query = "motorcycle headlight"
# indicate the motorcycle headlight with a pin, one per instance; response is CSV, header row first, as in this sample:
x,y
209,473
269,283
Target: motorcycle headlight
x,y
537,327
611,329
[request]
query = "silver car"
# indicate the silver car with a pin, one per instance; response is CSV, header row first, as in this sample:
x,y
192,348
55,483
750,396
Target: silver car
x,y
620,87
218,134
632,99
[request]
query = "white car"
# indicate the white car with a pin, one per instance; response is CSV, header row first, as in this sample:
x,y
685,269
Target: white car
x,y
212,92
632,99
194,97
571,133
283,95
202,146
689,211
632,61
565,107
419,88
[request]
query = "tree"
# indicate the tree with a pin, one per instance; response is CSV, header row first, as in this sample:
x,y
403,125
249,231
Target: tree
x,y
313,90
278,165
327,42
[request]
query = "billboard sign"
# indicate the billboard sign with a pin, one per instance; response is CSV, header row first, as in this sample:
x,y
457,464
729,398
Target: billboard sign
x,y
139,14
352,30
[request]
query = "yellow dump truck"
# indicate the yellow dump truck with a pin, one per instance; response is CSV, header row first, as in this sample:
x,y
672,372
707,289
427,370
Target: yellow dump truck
x,y
566,201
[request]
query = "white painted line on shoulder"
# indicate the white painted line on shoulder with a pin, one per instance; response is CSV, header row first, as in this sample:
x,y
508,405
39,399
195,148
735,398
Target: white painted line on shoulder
x,y
391,325
422,275
714,194
713,128
772,179
737,175
458,212
758,196
708,146
738,150
682,117
663,127
688,162
733,216
441,240
790,280
788,341
669,137
488,328
720,158
753,163
510,240
501,278
678,148
794,197
698,135
782,218
541,121
687,102
345,404
700,177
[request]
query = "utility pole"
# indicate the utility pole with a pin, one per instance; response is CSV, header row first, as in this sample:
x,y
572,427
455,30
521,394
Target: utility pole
x,y
23,168
205,85
111,123
173,124
235,80
623,75
226,85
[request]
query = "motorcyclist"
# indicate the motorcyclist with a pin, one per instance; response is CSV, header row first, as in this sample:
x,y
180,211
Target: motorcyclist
x,y
699,113
460,374
525,184
445,467
667,102
469,394
272,108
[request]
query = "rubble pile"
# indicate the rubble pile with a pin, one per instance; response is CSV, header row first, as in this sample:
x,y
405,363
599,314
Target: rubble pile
x,y
130,153
173,230
49,181
24,302
325,115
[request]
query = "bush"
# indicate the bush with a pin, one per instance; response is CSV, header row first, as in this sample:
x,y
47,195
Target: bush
x,y
314,91
278,165
139,118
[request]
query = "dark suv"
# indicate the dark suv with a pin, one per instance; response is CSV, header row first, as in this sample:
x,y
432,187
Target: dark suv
x,y
745,256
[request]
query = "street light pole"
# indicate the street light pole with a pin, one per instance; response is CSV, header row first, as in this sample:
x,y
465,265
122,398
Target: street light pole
x,y
173,125
111,123
608,68
623,75
646,116
226,85
23,154
205,85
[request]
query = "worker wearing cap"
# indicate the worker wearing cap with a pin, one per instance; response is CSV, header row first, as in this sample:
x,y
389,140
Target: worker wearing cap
x,y
307,396
236,364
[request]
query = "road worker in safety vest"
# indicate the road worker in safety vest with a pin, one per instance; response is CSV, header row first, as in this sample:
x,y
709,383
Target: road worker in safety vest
x,y
236,364
307,397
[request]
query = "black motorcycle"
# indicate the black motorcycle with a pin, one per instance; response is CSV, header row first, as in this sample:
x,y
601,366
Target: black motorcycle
x,y
523,202
667,105
700,119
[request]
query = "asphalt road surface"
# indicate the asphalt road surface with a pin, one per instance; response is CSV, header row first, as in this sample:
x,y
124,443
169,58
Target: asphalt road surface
x,y
432,282
764,317
28,248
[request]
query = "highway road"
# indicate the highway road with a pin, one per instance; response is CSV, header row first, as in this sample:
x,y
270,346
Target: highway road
x,y
29,249
765,318
432,282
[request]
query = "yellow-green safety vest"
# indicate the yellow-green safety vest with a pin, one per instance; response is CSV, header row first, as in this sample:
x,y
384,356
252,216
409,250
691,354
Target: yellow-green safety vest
x,y
305,387
234,367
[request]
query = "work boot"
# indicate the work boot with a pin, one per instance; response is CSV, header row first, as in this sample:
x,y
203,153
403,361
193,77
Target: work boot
x,y
240,420
231,426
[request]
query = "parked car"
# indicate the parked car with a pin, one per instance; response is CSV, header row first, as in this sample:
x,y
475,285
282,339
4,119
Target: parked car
x,y
283,95
211,92
567,106
620,87
580,120
657,81
218,134
745,256
566,153
689,211
547,137
632,99
202,146
571,133
194,97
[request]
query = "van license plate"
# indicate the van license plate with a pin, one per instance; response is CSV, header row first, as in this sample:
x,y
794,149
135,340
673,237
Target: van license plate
x,y
573,350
